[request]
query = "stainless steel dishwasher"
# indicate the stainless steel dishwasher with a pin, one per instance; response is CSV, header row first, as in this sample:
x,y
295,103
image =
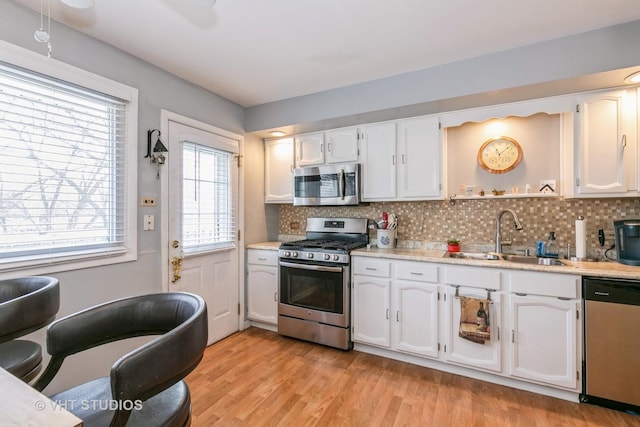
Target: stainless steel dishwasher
x,y
611,371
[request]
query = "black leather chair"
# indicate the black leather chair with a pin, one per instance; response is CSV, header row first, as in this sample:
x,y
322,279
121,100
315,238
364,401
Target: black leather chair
x,y
145,386
26,304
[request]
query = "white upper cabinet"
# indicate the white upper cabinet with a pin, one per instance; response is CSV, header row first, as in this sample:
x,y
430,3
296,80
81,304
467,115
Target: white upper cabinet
x,y
342,145
378,157
419,158
278,167
309,149
401,160
606,157
334,146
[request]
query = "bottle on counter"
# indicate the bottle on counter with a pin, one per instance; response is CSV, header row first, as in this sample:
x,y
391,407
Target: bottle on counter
x,y
551,248
481,318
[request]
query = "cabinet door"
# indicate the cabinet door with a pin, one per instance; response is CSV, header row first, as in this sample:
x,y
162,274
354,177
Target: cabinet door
x,y
606,155
415,318
462,351
543,340
278,166
371,310
309,149
342,145
419,158
378,157
262,293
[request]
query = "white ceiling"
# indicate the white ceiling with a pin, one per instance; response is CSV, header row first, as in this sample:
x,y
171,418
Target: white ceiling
x,y
258,51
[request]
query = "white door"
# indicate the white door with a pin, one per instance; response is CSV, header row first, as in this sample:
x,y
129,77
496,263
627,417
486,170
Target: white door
x,y
371,310
342,145
203,212
415,317
459,350
543,340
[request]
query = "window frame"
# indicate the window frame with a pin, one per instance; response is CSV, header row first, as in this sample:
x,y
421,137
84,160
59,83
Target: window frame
x,y
31,61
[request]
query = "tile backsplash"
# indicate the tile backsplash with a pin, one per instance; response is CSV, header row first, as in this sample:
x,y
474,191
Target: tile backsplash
x,y
428,224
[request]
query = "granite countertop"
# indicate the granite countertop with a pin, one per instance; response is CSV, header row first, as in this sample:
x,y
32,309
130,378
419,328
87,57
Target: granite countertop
x,y
267,246
609,269
599,269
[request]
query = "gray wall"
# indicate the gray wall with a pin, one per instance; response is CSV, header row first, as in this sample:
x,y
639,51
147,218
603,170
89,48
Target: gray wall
x,y
157,90
571,64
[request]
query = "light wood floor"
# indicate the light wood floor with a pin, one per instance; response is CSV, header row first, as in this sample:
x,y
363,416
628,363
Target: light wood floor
x,y
258,378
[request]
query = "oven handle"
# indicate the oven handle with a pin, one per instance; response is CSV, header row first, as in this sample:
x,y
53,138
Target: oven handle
x,y
311,267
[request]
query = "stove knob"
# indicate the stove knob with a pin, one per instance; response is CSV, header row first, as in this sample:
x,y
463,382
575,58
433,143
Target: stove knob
x,y
310,255
287,254
294,254
336,257
327,257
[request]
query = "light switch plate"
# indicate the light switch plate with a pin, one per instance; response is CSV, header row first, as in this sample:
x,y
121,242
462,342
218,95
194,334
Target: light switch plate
x,y
149,222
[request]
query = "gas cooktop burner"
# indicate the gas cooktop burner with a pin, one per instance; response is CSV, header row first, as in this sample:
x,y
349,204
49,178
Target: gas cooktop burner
x,y
331,245
328,240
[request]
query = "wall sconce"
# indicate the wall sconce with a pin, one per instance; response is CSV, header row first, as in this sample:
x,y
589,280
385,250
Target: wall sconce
x,y
156,157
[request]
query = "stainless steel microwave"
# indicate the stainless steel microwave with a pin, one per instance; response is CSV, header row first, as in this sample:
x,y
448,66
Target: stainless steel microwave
x,y
333,185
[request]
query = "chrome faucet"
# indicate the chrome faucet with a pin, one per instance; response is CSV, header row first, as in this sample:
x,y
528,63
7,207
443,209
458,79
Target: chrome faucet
x,y
516,223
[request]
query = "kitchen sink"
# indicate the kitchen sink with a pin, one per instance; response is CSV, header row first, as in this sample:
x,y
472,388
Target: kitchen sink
x,y
493,256
522,259
473,255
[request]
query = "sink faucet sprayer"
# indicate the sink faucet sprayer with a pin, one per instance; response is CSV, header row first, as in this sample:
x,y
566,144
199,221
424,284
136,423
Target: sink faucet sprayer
x,y
516,223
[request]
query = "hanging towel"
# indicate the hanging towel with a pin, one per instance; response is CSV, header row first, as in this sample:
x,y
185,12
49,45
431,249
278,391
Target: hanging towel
x,y
475,321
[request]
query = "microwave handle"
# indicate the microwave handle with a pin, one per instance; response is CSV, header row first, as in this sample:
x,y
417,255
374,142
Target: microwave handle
x,y
341,183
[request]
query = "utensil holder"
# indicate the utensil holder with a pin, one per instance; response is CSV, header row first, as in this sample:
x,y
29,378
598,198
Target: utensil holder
x,y
386,238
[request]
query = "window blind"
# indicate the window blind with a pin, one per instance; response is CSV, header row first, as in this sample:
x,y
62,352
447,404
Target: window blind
x,y
62,167
208,215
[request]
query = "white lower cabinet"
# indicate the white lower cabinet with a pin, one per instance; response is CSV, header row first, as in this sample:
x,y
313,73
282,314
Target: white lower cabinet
x,y
479,284
395,305
534,319
262,286
544,310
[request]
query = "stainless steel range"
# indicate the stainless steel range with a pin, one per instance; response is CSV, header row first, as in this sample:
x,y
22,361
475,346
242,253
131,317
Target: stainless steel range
x,y
315,287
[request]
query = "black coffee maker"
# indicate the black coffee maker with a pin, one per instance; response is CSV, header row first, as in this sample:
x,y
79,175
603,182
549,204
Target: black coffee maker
x,y
628,241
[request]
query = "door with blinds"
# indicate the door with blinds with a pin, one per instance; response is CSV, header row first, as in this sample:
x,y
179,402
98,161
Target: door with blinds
x,y
203,212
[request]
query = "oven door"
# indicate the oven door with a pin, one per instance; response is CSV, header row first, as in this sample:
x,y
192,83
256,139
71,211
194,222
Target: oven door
x,y
318,293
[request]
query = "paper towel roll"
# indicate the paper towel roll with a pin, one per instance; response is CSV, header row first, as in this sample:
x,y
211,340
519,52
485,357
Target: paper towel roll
x,y
581,237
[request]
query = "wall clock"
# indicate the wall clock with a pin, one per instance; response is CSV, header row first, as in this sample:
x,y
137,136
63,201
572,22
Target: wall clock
x,y
500,155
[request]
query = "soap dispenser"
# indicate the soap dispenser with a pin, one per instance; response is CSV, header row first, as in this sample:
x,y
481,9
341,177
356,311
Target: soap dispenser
x,y
551,248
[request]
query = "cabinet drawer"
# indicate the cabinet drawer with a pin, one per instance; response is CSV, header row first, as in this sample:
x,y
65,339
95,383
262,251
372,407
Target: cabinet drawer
x,y
418,271
258,256
548,284
475,277
371,267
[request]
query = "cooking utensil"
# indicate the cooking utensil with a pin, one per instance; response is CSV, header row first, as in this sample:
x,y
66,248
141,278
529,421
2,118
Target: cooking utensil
x,y
392,222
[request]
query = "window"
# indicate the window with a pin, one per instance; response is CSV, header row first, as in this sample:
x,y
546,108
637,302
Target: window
x,y
65,171
207,198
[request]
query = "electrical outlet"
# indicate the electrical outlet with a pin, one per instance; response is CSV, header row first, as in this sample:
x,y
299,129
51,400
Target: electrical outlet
x,y
294,225
148,201
149,223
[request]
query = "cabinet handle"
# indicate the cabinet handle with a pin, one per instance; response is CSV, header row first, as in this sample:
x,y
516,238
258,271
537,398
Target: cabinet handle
x,y
261,259
387,314
393,159
370,268
623,143
513,336
398,316
403,159
498,333
328,147
322,148
275,296
416,274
